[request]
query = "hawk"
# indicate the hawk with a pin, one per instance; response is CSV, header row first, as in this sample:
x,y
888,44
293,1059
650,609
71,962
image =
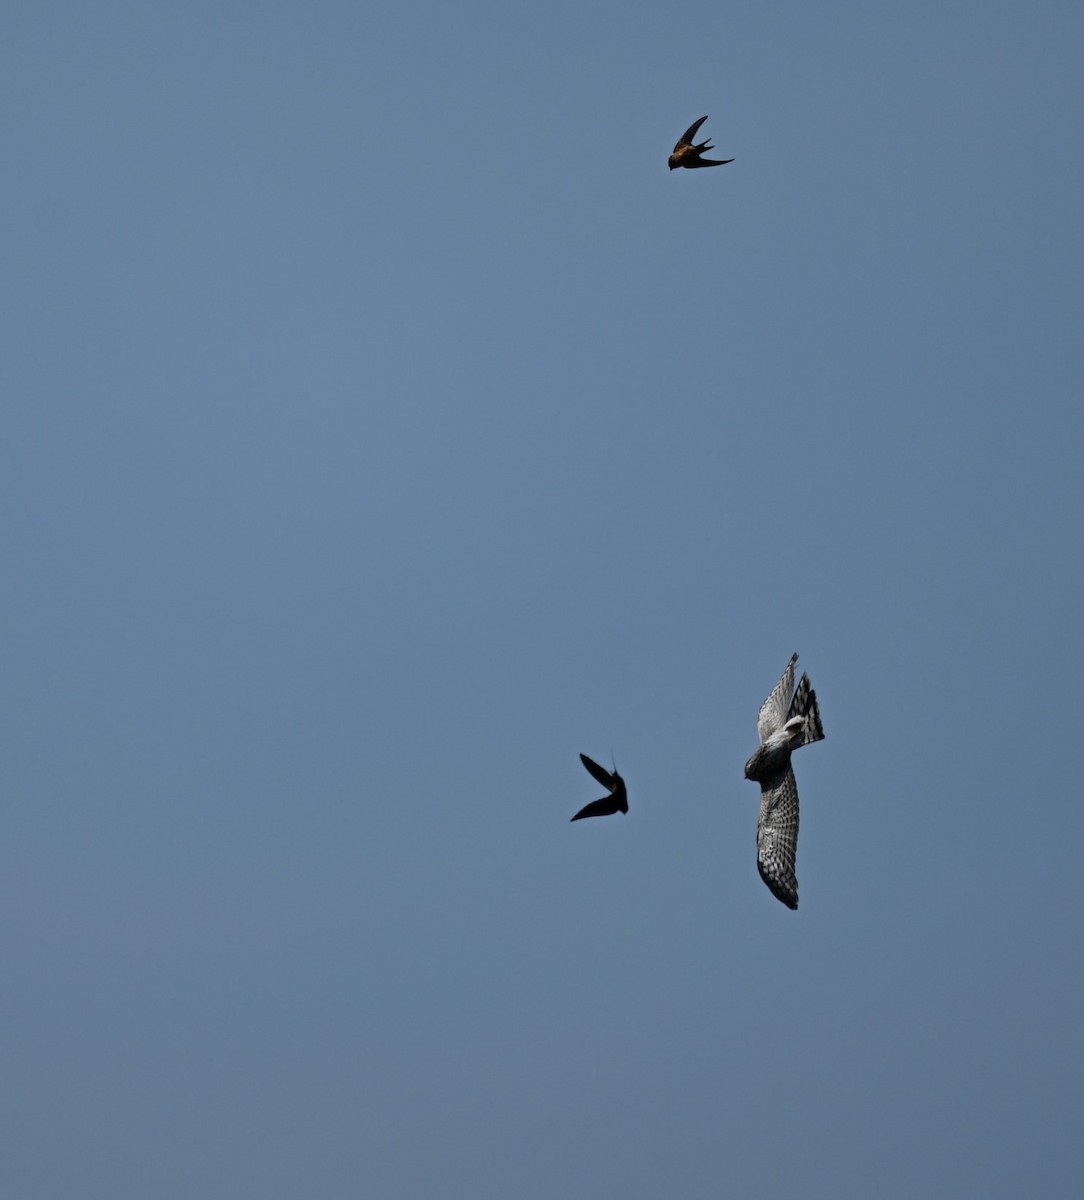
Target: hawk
x,y
789,718
616,802
687,155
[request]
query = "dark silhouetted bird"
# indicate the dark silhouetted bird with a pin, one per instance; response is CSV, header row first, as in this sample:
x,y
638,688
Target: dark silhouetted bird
x,y
789,718
687,155
616,802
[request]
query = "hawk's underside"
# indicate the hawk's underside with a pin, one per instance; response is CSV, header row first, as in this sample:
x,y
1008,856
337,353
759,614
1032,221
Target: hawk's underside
x,y
789,718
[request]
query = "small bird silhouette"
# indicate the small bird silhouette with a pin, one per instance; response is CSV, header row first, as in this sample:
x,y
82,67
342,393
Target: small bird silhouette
x,y
617,801
687,155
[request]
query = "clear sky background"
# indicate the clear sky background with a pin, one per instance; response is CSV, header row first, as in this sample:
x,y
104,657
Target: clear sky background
x,y
383,426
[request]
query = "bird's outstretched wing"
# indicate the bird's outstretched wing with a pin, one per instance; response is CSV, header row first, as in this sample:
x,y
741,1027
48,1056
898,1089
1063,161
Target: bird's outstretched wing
x,y
777,837
686,138
709,162
608,780
606,807
774,710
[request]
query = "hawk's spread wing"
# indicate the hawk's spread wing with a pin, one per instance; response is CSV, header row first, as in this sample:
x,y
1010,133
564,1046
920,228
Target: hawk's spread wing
x,y
777,837
774,710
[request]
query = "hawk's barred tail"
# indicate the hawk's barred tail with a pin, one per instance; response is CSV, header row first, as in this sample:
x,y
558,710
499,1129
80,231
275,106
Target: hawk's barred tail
x,y
805,705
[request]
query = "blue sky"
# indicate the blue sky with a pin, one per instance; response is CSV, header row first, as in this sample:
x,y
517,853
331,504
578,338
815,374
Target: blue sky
x,y
384,426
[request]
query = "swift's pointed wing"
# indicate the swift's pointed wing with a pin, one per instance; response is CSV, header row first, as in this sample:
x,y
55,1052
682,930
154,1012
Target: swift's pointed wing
x,y
608,781
605,807
690,133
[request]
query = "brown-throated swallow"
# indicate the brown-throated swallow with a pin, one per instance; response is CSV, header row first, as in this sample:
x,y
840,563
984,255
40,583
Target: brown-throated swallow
x,y
616,802
687,155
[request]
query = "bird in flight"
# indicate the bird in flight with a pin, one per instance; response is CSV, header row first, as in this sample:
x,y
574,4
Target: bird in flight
x,y
789,718
687,155
617,801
